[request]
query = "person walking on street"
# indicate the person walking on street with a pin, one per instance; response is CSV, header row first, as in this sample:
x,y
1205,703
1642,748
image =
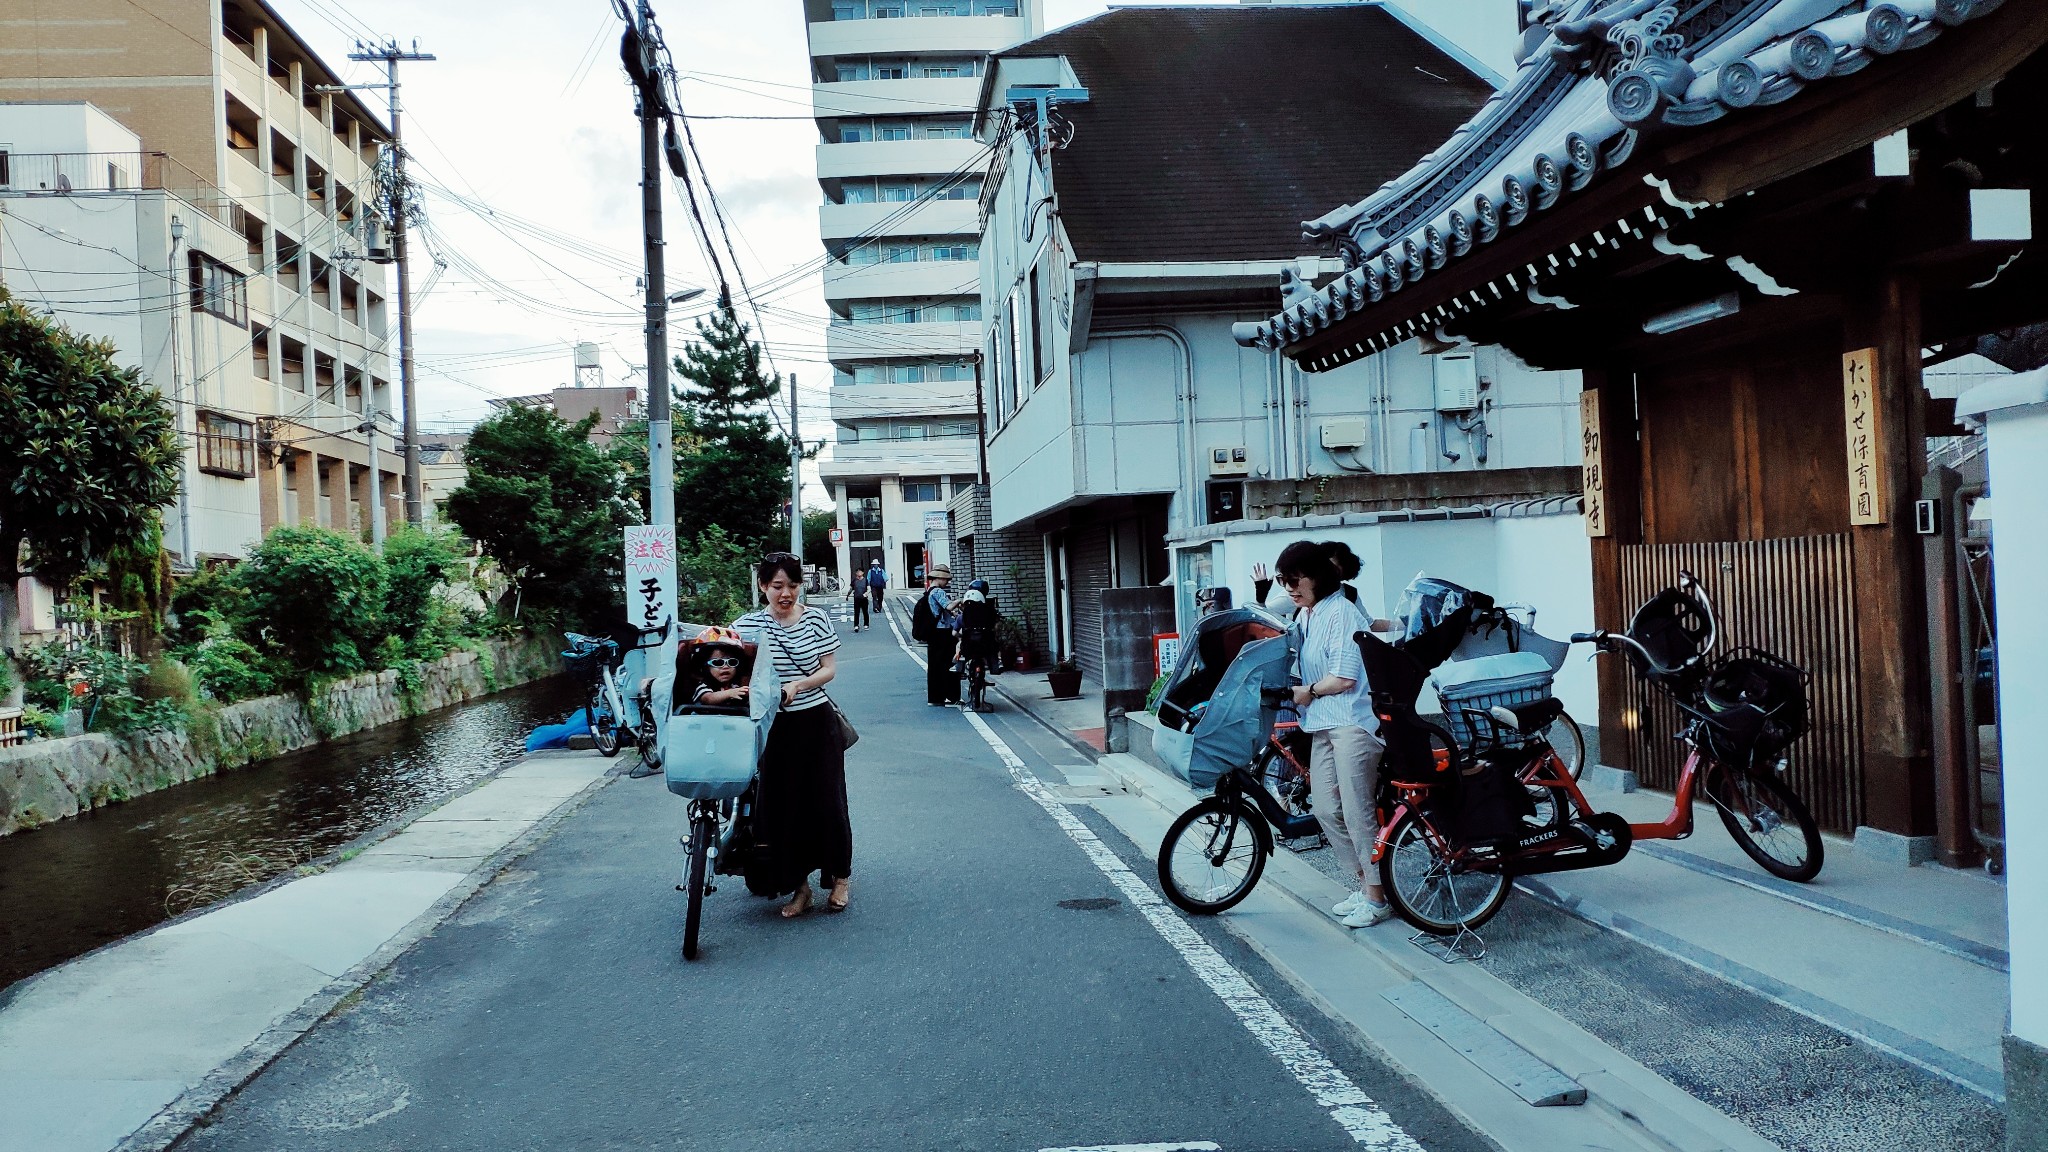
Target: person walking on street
x,y
1336,712
801,822
877,580
858,593
941,683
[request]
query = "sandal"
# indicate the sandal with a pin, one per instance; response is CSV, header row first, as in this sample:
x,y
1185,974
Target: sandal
x,y
836,902
798,904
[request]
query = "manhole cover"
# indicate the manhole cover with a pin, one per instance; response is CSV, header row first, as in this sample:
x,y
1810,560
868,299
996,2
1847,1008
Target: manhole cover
x,y
1089,904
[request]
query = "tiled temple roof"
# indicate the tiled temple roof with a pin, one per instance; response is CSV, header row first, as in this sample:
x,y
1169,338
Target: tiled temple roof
x,y
1605,72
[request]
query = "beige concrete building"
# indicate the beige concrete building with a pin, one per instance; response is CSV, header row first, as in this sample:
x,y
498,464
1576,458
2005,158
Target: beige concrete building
x,y
172,178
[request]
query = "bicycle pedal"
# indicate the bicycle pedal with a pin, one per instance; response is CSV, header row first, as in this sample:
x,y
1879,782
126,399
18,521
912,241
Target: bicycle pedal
x,y
710,887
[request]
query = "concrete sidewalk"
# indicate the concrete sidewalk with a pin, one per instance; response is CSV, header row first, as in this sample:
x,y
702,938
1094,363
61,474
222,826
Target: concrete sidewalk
x,y
126,1046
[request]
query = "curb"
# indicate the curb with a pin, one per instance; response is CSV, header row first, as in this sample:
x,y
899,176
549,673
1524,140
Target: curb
x,y
195,1104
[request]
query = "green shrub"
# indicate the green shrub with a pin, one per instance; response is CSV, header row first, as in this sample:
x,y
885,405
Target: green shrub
x,y
714,579
316,599
203,601
40,722
418,563
229,668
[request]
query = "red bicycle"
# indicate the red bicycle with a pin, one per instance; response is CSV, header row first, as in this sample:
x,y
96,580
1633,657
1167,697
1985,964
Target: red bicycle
x,y
1457,824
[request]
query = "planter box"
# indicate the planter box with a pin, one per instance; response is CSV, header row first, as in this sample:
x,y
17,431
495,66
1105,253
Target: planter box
x,y
1065,685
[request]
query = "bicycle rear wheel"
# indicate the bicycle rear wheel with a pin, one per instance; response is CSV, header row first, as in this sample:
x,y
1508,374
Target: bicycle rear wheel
x,y
702,831
977,685
1769,823
1212,856
1569,742
1430,888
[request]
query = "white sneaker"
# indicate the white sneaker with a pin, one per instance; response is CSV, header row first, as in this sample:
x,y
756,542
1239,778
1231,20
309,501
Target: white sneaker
x,y
1347,905
1368,914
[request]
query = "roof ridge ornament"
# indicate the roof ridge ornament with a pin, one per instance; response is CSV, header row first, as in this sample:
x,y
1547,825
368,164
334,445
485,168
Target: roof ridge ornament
x,y
1651,74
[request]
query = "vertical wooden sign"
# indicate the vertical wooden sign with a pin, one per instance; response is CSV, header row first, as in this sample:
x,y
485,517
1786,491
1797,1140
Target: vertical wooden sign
x,y
1592,484
1865,439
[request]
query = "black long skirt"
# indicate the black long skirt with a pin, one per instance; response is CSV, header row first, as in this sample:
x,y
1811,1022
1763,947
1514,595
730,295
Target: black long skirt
x,y
801,824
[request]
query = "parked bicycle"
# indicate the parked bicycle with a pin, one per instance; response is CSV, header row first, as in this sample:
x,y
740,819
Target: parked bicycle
x,y
614,711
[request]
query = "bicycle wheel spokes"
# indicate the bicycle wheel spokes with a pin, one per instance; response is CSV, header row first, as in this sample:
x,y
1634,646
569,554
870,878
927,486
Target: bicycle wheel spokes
x,y
1212,857
1434,886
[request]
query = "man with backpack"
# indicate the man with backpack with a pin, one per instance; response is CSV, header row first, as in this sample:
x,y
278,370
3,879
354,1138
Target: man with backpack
x,y
877,580
932,624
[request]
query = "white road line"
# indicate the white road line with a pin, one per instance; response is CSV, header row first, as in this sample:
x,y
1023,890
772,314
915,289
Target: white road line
x,y
1183,1146
1354,1111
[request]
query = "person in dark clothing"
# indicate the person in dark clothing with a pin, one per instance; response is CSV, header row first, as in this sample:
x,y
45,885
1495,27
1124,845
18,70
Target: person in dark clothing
x,y
859,596
978,621
941,683
877,580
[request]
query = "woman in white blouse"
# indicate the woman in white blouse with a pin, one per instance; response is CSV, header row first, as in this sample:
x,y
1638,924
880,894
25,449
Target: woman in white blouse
x,y
801,821
1336,712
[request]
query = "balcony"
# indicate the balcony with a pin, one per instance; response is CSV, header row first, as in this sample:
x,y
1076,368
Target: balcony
x,y
854,402
951,456
928,278
915,97
894,157
964,35
846,342
929,218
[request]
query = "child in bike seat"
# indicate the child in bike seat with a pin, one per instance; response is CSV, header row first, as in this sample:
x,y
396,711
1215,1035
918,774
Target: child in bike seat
x,y
719,661
978,624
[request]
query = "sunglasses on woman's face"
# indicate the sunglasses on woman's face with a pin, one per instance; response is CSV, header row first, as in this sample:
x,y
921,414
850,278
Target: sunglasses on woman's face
x,y
723,662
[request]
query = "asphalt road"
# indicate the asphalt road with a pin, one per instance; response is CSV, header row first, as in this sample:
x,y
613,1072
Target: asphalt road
x,y
992,987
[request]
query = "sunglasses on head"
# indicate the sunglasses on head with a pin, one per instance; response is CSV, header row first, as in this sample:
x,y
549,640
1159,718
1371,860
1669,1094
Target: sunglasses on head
x,y
723,662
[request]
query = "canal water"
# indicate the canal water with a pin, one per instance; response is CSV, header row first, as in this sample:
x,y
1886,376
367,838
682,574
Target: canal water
x,y
72,886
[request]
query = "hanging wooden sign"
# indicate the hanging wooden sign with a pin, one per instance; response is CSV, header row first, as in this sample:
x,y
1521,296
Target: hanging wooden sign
x,y
1865,437
1592,485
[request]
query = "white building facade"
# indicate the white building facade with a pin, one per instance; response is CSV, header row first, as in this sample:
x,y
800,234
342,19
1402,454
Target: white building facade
x,y
901,173
1126,427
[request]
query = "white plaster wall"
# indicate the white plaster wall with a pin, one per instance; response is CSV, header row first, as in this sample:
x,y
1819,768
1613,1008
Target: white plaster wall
x,y
2019,466
1546,562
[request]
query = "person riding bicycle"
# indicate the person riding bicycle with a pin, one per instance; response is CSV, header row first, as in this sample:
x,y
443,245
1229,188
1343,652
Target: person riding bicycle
x,y
979,619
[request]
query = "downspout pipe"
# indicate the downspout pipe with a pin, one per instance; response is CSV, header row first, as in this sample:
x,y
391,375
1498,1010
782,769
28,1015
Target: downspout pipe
x,y
1186,396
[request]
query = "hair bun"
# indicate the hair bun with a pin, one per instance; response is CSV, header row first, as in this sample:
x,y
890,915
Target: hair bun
x,y
1343,559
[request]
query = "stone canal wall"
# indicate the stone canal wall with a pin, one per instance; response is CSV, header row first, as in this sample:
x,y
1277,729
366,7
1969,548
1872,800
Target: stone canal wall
x,y
47,780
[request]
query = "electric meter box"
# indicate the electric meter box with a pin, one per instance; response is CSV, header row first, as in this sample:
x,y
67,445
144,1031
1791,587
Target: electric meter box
x,y
1233,461
1341,434
1457,382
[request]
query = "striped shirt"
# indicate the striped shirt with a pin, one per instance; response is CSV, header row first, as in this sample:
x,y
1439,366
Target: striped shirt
x,y
798,649
1328,648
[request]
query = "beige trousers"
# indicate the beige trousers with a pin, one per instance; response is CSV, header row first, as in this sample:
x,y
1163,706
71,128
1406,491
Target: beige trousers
x,y
1343,771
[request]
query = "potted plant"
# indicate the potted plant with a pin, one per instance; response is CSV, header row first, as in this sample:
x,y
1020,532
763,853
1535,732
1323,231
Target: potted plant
x,y
1065,679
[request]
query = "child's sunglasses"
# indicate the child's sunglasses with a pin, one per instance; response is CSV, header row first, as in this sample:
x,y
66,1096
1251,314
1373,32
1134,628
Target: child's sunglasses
x,y
723,662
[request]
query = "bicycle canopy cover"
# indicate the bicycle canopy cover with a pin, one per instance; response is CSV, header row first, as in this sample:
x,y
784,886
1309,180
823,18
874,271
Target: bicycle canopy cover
x,y
1218,638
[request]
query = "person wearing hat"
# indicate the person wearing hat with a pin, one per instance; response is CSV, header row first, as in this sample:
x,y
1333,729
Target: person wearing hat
x,y
941,683
876,580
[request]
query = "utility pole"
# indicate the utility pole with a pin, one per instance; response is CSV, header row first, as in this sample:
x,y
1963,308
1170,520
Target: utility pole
x,y
369,429
391,54
661,457
980,425
181,410
796,479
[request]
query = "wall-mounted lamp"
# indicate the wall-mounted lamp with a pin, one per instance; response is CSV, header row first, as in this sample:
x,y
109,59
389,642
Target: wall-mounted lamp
x,y
1726,304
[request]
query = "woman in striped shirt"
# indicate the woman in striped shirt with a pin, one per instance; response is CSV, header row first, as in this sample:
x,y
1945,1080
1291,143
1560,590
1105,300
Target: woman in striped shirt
x,y
800,819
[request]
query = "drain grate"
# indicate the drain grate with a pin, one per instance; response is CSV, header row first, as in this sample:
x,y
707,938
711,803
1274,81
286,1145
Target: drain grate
x,y
1089,904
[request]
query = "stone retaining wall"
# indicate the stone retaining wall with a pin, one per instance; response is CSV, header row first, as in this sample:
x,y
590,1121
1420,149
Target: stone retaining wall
x,y
47,780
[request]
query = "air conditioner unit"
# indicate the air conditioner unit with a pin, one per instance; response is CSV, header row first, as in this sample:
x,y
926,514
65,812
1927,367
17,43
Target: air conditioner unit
x,y
1233,461
1345,433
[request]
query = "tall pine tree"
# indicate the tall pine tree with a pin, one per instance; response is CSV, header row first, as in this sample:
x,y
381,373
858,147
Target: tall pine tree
x,y
736,473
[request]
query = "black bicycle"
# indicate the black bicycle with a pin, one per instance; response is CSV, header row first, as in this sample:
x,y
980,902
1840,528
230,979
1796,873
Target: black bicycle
x,y
977,682
1215,852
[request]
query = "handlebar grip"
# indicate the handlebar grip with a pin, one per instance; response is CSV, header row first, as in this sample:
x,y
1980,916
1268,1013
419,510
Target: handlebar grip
x,y
1588,637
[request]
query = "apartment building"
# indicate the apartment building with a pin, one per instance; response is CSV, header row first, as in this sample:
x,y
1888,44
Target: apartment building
x,y
173,177
895,83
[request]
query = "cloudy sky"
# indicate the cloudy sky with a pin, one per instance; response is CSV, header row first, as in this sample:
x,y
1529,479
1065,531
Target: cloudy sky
x,y
524,136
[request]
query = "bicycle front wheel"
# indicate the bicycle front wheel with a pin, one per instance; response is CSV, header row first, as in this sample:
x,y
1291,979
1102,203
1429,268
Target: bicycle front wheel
x,y
1212,856
1430,887
702,831
604,727
1769,823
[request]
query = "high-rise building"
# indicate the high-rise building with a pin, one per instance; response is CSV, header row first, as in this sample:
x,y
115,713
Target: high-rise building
x,y
184,179
896,83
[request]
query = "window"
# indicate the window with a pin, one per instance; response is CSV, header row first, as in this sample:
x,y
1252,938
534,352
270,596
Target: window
x,y
899,254
1016,363
849,434
965,190
950,372
942,71
895,132
955,429
227,446
910,432
848,72
898,193
865,254
852,134
958,312
893,12
858,194
1037,340
219,290
892,72
955,252
6,169
946,131
922,490
906,373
